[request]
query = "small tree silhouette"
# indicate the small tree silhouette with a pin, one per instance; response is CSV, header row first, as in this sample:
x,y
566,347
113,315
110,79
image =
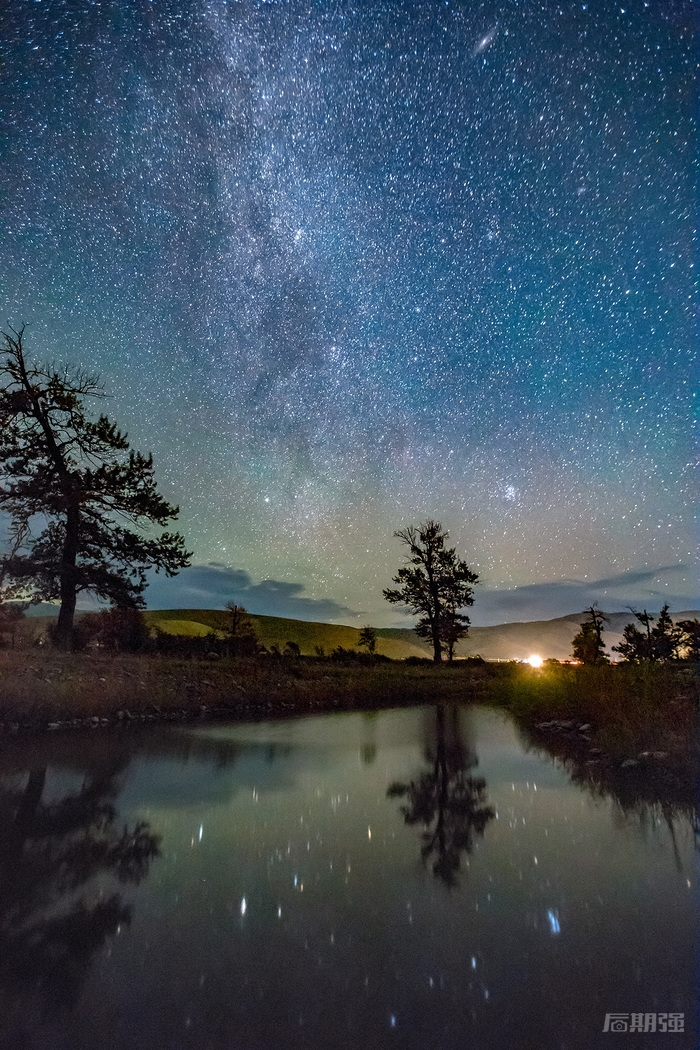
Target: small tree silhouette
x,y
588,645
660,642
368,639
242,639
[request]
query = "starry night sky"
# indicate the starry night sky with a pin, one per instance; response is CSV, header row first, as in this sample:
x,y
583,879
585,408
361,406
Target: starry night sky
x,y
343,267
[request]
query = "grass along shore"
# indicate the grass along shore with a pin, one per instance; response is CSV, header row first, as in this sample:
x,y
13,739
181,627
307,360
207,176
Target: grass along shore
x,y
625,710
42,687
622,711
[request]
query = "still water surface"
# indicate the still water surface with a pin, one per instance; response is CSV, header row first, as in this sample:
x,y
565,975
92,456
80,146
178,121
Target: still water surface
x,y
410,879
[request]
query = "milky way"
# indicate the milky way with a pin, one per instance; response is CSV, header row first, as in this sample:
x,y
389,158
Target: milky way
x,y
343,267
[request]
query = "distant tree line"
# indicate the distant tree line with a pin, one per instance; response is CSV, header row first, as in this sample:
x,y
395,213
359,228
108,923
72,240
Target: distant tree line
x,y
660,640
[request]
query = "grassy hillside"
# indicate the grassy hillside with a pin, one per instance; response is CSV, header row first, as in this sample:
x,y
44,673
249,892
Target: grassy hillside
x,y
508,641
275,630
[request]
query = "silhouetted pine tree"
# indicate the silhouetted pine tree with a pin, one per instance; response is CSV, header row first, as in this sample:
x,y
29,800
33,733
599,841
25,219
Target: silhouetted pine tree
x,y
90,492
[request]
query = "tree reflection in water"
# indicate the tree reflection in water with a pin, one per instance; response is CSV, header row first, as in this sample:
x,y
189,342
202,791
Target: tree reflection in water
x,y
446,799
51,925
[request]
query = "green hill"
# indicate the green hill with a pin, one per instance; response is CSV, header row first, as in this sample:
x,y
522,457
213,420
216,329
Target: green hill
x,y
506,641
275,630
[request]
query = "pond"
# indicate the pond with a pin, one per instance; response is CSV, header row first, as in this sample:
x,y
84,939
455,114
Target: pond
x,y
412,878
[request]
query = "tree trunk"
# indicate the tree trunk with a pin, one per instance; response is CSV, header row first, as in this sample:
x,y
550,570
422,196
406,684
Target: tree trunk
x,y
34,789
435,637
435,617
68,580
29,804
441,778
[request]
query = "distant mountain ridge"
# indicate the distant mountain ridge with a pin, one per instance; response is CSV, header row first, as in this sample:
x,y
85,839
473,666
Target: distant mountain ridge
x,y
506,641
545,638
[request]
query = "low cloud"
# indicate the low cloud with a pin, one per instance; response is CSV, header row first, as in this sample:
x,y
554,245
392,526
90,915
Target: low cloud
x,y
539,601
212,586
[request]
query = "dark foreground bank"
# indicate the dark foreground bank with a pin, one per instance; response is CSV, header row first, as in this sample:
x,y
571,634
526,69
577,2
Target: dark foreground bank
x,y
40,689
632,713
